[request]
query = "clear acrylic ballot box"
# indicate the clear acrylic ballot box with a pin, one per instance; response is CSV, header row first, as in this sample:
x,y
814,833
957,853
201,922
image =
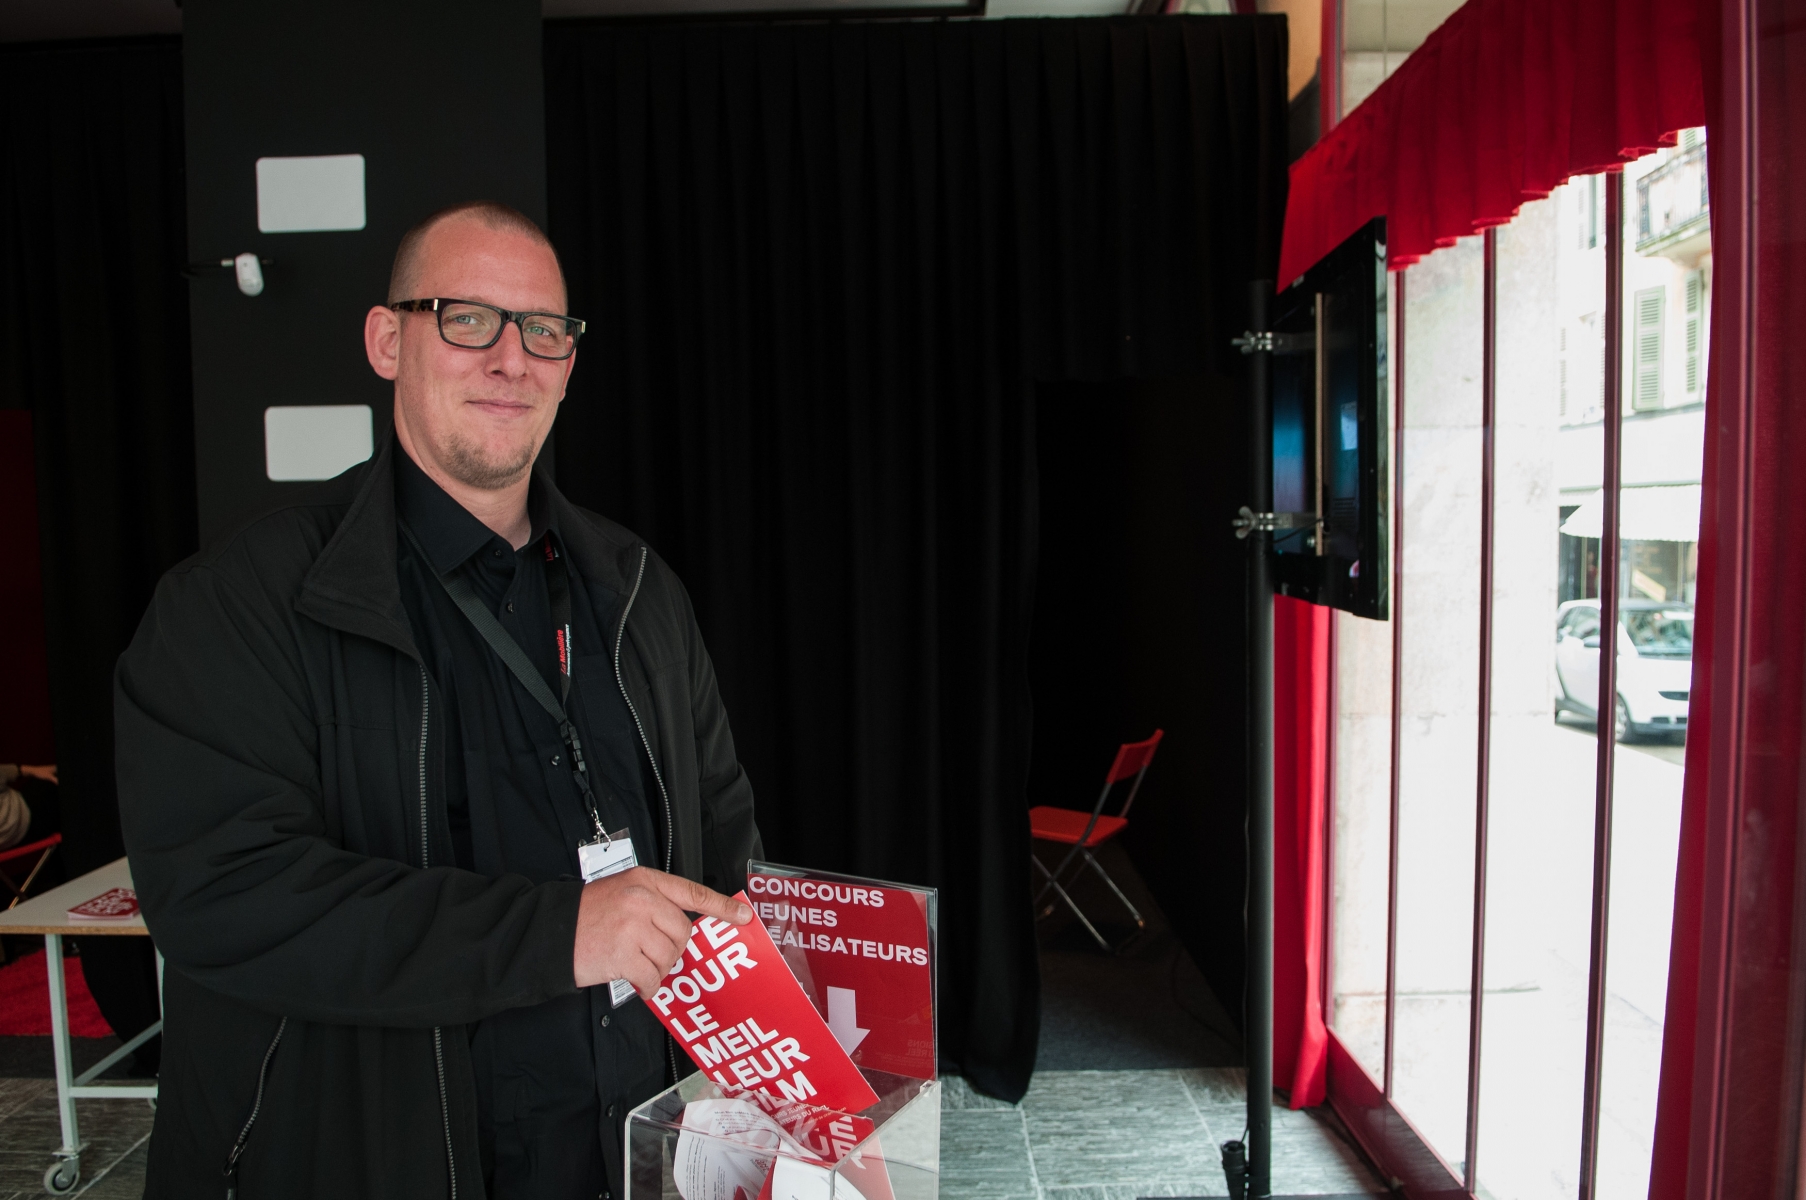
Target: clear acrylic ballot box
x,y
697,1140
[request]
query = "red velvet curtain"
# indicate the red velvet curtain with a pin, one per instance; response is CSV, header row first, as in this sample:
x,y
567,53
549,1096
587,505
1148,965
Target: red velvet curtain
x,y
1734,1045
1505,101
1301,720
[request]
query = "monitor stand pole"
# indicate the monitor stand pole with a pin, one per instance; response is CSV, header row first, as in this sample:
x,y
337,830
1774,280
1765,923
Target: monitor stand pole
x,y
1250,1168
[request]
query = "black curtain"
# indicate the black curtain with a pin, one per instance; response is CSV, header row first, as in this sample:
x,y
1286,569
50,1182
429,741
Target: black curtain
x,y
1140,624
824,265
94,341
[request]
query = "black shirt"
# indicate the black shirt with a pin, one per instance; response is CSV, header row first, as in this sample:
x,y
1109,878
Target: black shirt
x,y
555,1080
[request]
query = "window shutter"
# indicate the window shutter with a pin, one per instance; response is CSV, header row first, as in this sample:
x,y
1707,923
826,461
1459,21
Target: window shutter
x,y
1648,349
1696,320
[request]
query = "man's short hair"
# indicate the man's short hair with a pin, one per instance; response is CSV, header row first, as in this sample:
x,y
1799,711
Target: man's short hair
x,y
492,213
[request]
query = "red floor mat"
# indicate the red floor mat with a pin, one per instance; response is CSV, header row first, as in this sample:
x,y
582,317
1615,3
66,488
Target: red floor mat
x,y
25,1000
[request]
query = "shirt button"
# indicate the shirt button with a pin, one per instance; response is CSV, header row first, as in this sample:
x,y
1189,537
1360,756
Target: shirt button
x,y
611,1110
605,1020
556,760
510,606
497,552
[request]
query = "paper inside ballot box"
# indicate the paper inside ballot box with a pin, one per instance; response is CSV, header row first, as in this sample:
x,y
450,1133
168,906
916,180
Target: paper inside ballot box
x,y
734,1149
734,1006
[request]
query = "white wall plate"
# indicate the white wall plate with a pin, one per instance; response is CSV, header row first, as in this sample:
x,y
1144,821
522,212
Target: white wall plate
x,y
310,195
316,441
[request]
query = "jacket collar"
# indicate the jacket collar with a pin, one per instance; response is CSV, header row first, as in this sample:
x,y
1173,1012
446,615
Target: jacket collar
x,y
353,583
605,554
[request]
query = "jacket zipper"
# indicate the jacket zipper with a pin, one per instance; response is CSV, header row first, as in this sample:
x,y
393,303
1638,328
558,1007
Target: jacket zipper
x,y
621,682
244,1135
451,1161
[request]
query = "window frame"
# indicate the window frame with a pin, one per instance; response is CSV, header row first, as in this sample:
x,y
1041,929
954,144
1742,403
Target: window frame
x,y
1366,1104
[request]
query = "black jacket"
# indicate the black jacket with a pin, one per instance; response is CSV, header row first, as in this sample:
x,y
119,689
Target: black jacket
x,y
273,726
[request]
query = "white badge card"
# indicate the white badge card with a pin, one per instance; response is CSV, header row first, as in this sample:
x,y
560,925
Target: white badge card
x,y
600,859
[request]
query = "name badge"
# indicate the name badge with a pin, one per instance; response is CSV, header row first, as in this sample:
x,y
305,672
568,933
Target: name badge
x,y
599,860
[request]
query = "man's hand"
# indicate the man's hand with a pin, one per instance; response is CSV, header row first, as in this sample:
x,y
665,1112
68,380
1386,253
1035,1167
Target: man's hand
x,y
633,926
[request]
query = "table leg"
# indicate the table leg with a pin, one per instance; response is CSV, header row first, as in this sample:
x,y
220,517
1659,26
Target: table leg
x,y
59,1045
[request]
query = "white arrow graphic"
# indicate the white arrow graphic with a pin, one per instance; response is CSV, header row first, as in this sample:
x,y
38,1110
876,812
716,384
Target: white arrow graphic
x,y
843,1018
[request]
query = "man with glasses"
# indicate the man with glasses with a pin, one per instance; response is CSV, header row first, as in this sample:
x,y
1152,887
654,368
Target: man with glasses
x,y
387,758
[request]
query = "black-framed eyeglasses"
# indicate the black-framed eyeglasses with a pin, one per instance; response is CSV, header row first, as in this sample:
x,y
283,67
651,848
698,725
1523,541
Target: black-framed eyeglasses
x,y
473,325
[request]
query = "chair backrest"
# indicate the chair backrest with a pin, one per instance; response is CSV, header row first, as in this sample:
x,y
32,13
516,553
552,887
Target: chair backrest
x,y
1132,759
55,839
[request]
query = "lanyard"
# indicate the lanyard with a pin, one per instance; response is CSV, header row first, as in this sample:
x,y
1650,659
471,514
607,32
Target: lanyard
x,y
558,589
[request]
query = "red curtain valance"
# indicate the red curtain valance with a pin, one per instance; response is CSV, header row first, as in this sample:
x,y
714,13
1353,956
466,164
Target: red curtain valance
x,y
1503,103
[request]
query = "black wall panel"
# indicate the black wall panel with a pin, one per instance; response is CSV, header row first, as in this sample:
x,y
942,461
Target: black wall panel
x,y
445,101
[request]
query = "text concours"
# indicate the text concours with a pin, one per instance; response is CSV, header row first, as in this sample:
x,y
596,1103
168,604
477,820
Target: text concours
x,y
786,917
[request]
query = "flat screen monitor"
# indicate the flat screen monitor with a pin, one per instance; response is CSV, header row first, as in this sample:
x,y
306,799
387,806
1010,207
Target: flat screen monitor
x,y
1332,430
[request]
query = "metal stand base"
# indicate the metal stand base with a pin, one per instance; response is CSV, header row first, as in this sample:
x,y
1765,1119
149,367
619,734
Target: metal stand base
x,y
64,1174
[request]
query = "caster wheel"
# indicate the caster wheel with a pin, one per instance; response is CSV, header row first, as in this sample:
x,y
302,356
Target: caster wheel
x,y
60,1177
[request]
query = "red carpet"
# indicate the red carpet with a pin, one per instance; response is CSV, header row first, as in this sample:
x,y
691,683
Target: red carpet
x,y
25,1000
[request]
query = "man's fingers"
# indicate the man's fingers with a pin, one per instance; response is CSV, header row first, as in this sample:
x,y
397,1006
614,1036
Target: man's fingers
x,y
652,969
693,897
640,966
635,923
670,921
664,946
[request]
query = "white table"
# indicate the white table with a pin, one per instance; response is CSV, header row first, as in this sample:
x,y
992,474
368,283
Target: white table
x,y
48,914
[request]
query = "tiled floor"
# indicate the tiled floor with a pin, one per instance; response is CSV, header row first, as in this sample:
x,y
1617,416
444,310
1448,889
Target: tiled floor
x,y
116,1132
1121,1135
1077,1135
1143,1007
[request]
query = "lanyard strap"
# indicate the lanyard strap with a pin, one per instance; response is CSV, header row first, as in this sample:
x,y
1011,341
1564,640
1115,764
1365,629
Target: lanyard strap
x,y
558,588
558,592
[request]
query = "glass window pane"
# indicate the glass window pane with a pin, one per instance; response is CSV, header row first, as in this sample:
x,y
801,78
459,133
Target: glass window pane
x,y
1439,548
1667,285
1363,809
1551,290
1378,35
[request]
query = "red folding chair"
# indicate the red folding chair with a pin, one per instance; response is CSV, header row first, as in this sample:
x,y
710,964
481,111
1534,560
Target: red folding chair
x,y
42,849
1086,831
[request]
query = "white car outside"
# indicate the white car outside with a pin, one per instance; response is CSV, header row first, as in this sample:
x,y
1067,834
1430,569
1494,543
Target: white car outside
x,y
1655,665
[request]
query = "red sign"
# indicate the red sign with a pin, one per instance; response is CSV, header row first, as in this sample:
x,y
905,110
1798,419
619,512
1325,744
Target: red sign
x,y
733,1004
864,953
